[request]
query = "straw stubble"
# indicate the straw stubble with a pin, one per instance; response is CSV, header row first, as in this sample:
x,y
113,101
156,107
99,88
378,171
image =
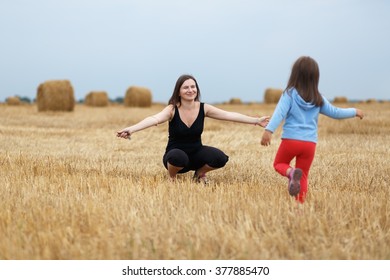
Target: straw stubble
x,y
72,190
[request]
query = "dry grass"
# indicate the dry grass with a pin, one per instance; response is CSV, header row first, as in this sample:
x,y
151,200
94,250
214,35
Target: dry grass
x,y
72,190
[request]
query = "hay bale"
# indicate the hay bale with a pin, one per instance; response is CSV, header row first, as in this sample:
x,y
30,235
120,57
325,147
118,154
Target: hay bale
x,y
96,99
55,95
272,95
235,101
371,100
13,100
138,97
340,99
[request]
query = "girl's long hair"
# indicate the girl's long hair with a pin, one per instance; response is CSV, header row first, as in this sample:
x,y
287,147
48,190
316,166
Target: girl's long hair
x,y
175,98
305,76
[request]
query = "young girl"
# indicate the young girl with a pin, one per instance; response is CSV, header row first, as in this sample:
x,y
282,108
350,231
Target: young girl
x,y
300,105
185,114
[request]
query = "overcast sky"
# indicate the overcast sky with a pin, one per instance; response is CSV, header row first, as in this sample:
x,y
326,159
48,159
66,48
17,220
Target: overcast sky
x,y
235,48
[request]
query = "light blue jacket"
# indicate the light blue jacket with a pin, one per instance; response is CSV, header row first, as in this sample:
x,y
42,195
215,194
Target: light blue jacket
x,y
301,117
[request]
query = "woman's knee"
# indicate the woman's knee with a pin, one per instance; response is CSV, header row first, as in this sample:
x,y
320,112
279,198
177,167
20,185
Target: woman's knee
x,y
220,161
176,158
216,158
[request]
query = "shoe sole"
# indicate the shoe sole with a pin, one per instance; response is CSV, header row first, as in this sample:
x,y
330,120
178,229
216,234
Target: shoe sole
x,y
295,183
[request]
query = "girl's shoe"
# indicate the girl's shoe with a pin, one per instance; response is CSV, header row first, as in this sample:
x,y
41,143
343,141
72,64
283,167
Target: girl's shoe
x,y
294,184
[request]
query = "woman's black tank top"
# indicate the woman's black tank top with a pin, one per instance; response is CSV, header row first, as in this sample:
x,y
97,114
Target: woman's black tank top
x,y
183,137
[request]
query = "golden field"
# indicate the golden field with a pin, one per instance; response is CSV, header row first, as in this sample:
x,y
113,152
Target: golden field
x,y
72,190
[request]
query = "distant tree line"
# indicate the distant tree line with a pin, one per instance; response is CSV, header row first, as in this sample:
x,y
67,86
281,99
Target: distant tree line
x,y
118,100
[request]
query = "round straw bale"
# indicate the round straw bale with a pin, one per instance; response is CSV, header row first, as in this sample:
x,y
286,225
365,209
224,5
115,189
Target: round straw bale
x,y
340,99
138,97
13,100
235,101
55,95
272,95
371,100
96,99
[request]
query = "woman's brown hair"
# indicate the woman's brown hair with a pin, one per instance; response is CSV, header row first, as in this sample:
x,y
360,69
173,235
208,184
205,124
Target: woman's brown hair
x,y
305,76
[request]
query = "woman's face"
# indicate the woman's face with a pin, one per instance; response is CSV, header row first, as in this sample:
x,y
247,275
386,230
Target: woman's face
x,y
188,90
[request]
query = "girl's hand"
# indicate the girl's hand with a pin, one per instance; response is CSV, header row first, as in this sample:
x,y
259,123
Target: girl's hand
x,y
359,113
266,139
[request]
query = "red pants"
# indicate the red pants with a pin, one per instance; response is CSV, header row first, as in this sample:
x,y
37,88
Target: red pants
x,y
303,152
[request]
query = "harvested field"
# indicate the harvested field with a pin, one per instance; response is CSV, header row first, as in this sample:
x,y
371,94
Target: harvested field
x,y
72,190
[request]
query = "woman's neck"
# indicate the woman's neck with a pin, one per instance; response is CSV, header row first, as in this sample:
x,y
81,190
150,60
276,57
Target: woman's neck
x,y
187,104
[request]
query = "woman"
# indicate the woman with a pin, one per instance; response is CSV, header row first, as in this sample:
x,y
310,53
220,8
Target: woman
x,y
185,113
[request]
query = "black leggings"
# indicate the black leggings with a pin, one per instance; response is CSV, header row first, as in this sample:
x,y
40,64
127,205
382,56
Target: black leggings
x,y
211,156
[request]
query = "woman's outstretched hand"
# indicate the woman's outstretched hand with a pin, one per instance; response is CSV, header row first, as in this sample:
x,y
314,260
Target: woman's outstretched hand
x,y
124,133
263,121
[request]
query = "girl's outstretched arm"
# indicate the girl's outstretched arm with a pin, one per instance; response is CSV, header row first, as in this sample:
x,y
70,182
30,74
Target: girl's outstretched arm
x,y
334,112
